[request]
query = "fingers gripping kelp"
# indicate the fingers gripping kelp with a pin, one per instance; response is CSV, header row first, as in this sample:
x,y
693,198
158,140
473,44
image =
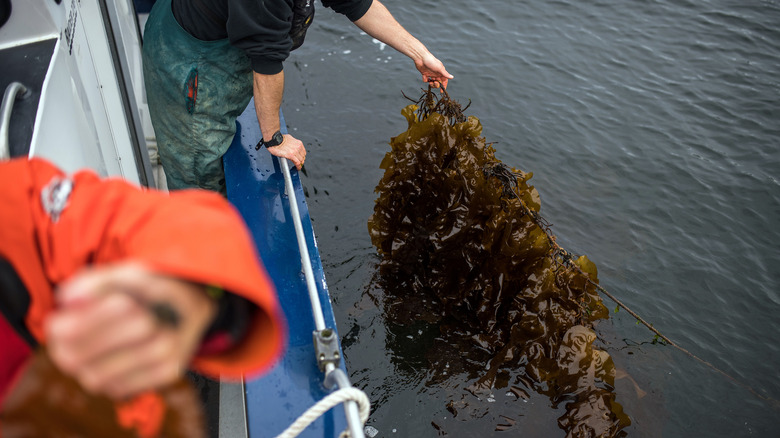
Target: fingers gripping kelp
x,y
455,224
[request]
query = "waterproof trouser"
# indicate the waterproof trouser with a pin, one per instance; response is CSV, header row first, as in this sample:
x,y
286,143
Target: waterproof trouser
x,y
195,90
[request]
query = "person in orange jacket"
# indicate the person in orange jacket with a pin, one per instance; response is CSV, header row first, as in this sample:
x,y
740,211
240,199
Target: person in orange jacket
x,y
125,288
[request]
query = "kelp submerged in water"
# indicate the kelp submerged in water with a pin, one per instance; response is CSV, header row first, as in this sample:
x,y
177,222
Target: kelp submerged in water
x,y
455,224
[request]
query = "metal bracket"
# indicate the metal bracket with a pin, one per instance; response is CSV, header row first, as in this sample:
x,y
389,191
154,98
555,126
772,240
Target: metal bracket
x,y
326,347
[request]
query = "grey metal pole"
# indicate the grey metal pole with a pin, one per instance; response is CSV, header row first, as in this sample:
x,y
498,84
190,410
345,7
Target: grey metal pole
x,y
13,90
332,374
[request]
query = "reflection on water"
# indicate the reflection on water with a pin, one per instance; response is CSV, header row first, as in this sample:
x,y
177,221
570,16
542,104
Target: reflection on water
x,y
458,250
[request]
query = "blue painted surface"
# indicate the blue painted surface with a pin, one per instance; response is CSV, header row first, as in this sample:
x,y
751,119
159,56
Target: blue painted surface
x,y
255,185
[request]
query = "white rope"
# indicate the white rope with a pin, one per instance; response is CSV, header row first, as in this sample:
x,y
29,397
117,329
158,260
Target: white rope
x,y
333,399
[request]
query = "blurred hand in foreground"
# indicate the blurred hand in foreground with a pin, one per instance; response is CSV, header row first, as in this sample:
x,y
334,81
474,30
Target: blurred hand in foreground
x,y
106,336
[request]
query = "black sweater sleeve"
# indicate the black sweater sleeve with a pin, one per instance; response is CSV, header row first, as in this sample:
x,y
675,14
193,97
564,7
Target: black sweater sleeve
x,y
261,28
352,9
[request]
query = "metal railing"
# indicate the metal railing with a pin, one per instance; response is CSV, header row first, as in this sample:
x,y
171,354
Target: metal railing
x,y
326,346
12,91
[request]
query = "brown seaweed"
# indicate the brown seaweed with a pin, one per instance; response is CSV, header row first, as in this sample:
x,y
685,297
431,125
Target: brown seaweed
x,y
44,402
455,225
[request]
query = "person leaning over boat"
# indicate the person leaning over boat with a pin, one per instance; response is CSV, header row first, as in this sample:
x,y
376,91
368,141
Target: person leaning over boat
x,y
83,261
204,59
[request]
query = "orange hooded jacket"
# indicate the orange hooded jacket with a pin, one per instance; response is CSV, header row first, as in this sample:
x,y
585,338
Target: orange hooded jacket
x,y
48,232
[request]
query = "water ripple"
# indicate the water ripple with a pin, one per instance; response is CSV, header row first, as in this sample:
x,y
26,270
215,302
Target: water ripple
x,y
652,131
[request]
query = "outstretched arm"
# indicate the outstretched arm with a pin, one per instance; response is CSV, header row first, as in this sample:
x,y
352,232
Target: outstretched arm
x,y
268,92
380,24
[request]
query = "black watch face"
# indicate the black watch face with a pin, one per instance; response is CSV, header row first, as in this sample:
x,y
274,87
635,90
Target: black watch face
x,y
277,139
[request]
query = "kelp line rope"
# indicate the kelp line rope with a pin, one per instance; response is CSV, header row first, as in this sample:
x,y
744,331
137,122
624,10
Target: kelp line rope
x,y
429,103
564,258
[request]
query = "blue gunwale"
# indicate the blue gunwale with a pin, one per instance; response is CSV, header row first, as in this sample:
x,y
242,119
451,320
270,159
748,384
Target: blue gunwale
x,y
255,185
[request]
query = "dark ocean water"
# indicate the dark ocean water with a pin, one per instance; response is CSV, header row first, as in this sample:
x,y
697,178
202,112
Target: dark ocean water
x,y
653,132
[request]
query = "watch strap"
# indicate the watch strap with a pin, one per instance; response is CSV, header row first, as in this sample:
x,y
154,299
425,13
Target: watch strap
x,y
275,140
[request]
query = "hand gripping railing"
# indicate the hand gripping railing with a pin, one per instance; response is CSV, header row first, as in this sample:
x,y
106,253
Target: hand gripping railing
x,y
325,343
13,90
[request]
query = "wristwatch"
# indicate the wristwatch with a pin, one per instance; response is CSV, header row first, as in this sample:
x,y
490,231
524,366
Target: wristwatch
x,y
275,140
